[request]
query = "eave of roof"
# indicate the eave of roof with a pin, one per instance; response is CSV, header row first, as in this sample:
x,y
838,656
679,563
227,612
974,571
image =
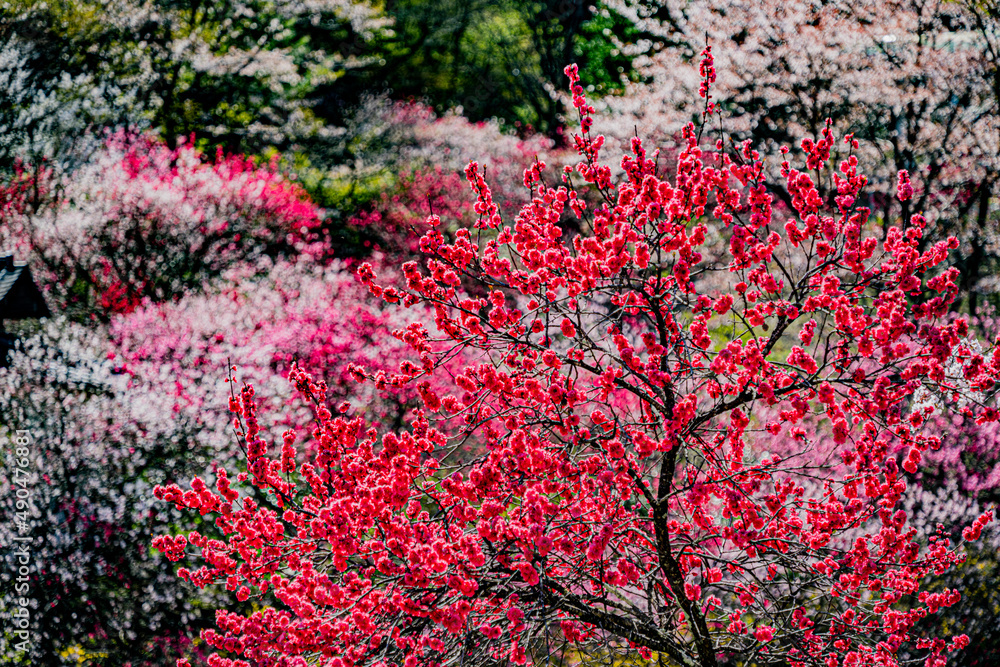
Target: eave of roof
x,y
20,298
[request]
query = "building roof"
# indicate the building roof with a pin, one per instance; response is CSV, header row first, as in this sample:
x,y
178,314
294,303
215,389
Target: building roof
x,y
20,298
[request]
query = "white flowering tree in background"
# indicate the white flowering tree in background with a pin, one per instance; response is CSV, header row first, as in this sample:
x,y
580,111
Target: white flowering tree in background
x,y
99,442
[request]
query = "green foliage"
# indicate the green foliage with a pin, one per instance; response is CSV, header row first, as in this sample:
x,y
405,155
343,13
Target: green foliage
x,y
498,59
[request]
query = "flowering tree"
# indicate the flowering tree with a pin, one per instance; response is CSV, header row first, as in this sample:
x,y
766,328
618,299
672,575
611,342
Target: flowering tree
x,y
624,498
99,442
141,220
319,316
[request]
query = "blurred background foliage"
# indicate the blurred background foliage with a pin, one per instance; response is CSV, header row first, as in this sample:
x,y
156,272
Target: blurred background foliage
x,y
249,74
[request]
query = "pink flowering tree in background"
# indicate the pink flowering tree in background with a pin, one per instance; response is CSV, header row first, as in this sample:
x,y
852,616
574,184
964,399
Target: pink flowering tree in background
x,y
141,220
319,316
621,500
162,359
